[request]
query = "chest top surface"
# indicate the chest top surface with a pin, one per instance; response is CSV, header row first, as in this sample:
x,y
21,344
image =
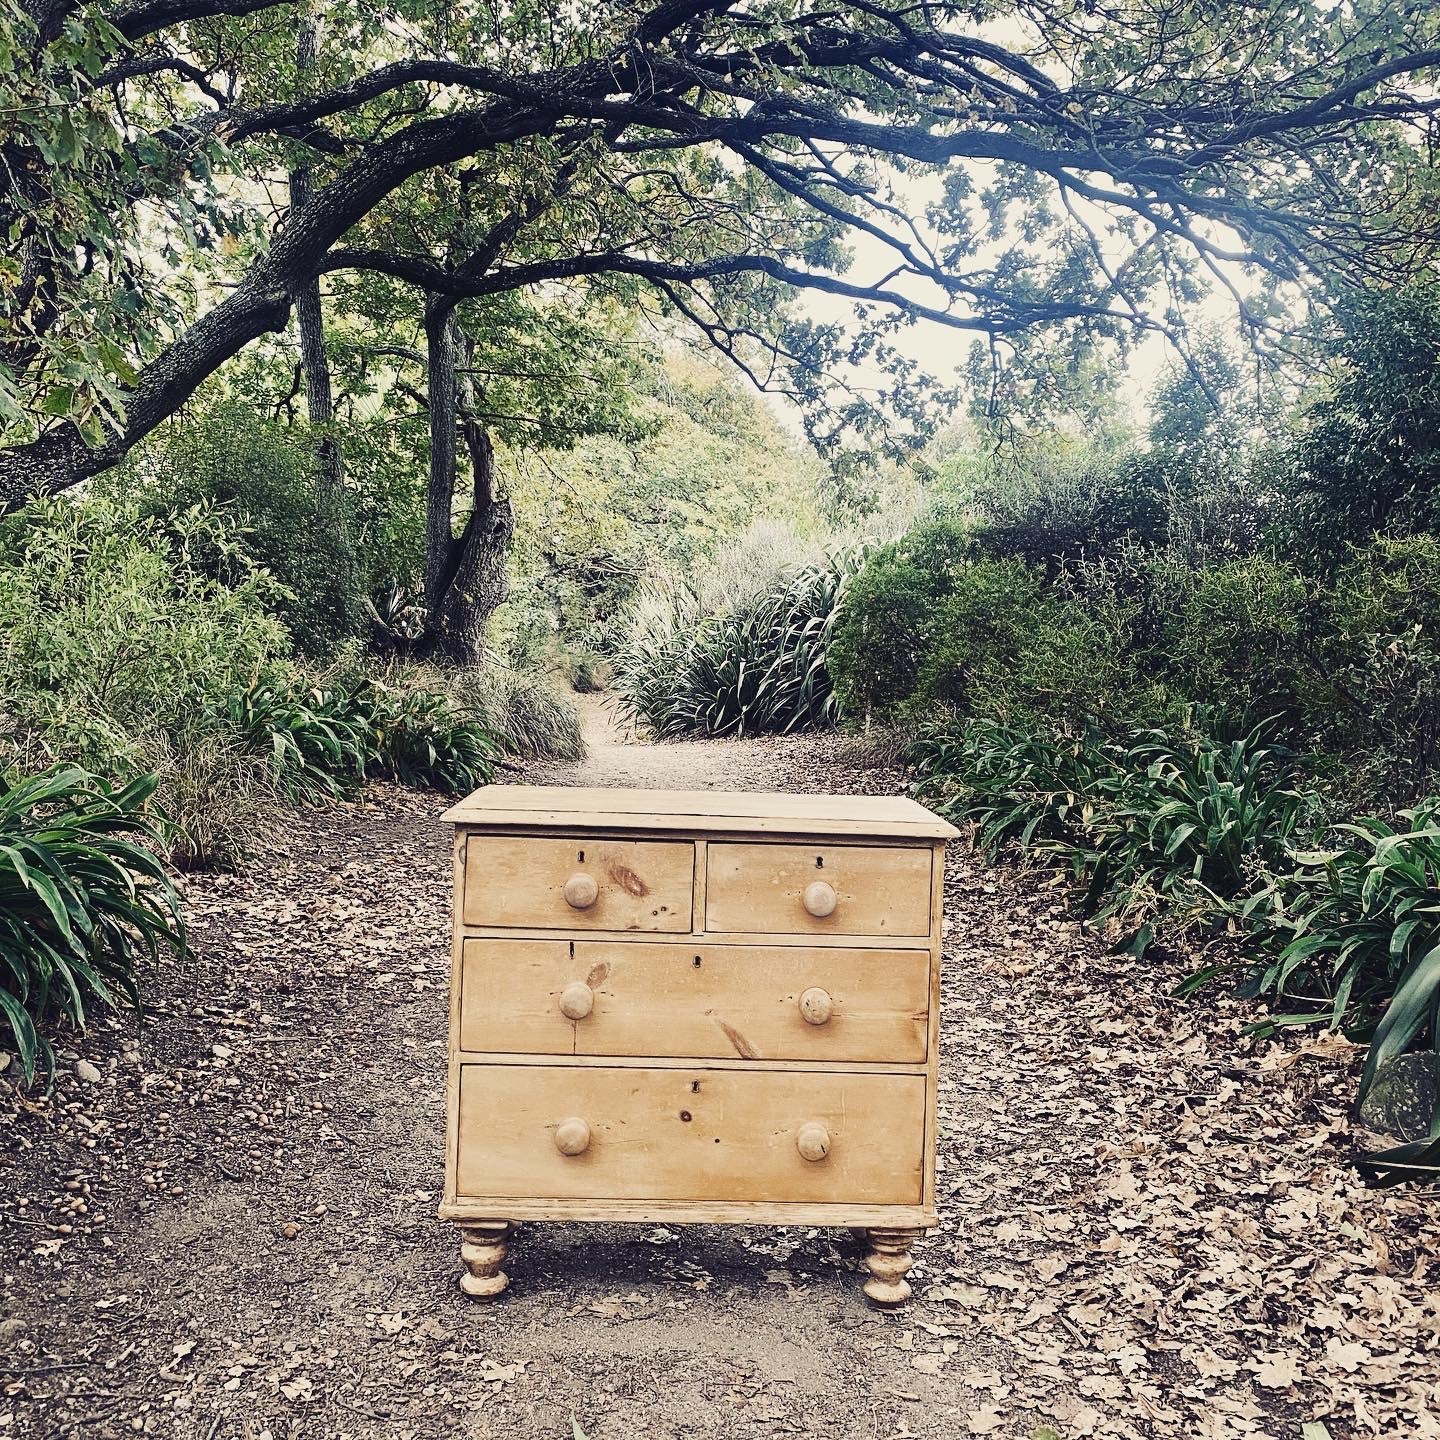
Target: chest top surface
x,y
698,812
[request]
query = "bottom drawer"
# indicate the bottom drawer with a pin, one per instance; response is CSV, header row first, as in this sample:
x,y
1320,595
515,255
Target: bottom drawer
x,y
607,1132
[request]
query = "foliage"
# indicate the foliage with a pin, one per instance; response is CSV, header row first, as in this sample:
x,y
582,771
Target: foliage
x,y
83,900
419,738
323,741
221,454
1157,830
144,253
756,667
525,711
888,620
1069,507
115,625
318,740
1369,458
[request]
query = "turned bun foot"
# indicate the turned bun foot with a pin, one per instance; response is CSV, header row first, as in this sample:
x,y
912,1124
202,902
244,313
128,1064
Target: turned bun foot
x,y
889,1261
482,1252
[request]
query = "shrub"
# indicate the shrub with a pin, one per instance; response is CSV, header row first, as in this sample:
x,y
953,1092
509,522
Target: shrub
x,y
528,714
114,627
1158,831
757,668
319,741
1350,921
1376,697
82,900
419,738
1069,508
226,455
888,621
926,624
323,741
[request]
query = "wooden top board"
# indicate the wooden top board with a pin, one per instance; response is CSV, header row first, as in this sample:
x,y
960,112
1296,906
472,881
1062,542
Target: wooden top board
x,y
699,811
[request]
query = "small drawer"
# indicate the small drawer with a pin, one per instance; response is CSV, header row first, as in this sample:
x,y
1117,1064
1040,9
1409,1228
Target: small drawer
x,y
519,882
603,1132
818,889
754,1002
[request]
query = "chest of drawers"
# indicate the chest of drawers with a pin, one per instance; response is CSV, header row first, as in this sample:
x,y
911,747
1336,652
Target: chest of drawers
x,y
693,1007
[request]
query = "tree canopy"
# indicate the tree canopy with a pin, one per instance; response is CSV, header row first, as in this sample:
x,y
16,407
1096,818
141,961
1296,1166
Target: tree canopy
x,y
1084,167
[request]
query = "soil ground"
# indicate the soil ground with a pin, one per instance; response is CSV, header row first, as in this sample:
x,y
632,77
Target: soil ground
x,y
1150,1227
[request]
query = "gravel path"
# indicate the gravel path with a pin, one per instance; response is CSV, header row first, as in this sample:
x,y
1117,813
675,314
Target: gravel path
x,y
1150,1229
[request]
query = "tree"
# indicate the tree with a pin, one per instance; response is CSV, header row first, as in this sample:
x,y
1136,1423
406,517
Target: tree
x,y
1089,174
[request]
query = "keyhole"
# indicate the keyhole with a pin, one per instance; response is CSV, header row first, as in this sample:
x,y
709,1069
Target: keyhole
x,y
697,962
819,862
694,1087
581,857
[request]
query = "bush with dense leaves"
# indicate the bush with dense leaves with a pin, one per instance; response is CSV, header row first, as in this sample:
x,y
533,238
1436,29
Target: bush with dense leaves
x,y
83,900
324,741
225,454
758,667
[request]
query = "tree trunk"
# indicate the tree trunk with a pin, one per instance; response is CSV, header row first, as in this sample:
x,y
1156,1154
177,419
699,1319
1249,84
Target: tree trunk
x,y
310,318
465,578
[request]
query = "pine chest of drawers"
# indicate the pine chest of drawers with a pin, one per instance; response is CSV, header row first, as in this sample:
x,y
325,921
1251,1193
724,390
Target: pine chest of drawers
x,y
675,1006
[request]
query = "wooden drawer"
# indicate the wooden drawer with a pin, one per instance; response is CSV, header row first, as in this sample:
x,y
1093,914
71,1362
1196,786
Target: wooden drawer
x,y
667,999
876,891
521,882
689,1134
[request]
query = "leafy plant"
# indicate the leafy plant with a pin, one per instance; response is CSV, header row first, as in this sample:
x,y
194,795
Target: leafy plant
x,y
420,739
1156,830
82,900
1349,921
319,740
757,668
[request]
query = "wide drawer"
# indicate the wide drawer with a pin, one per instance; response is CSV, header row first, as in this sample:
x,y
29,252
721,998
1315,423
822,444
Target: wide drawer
x,y
522,882
596,997
689,1134
818,889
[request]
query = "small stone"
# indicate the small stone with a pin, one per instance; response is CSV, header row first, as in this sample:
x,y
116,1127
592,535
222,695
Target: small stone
x,y
11,1329
5,1059
1404,1096
289,1231
221,1052
87,1072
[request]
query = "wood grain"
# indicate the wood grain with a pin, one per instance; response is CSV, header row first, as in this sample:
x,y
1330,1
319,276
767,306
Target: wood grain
x,y
698,811
519,882
723,1001
702,1135
879,890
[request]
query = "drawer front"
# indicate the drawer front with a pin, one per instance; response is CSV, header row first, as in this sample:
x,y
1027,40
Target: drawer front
x,y
645,998
691,1134
520,882
780,888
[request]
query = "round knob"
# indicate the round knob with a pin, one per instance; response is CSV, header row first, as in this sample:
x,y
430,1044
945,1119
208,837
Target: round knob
x,y
820,899
813,1141
816,1006
572,1136
577,1000
581,891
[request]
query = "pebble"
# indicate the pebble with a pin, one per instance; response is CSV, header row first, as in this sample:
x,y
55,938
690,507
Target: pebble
x,y
5,1058
87,1072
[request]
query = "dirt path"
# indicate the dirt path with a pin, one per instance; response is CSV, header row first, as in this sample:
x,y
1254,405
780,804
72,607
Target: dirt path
x,y
1149,1227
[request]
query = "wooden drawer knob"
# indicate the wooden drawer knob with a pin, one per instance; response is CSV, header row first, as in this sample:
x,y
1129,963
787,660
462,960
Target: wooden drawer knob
x,y
816,1006
577,1000
572,1136
581,891
820,899
813,1141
